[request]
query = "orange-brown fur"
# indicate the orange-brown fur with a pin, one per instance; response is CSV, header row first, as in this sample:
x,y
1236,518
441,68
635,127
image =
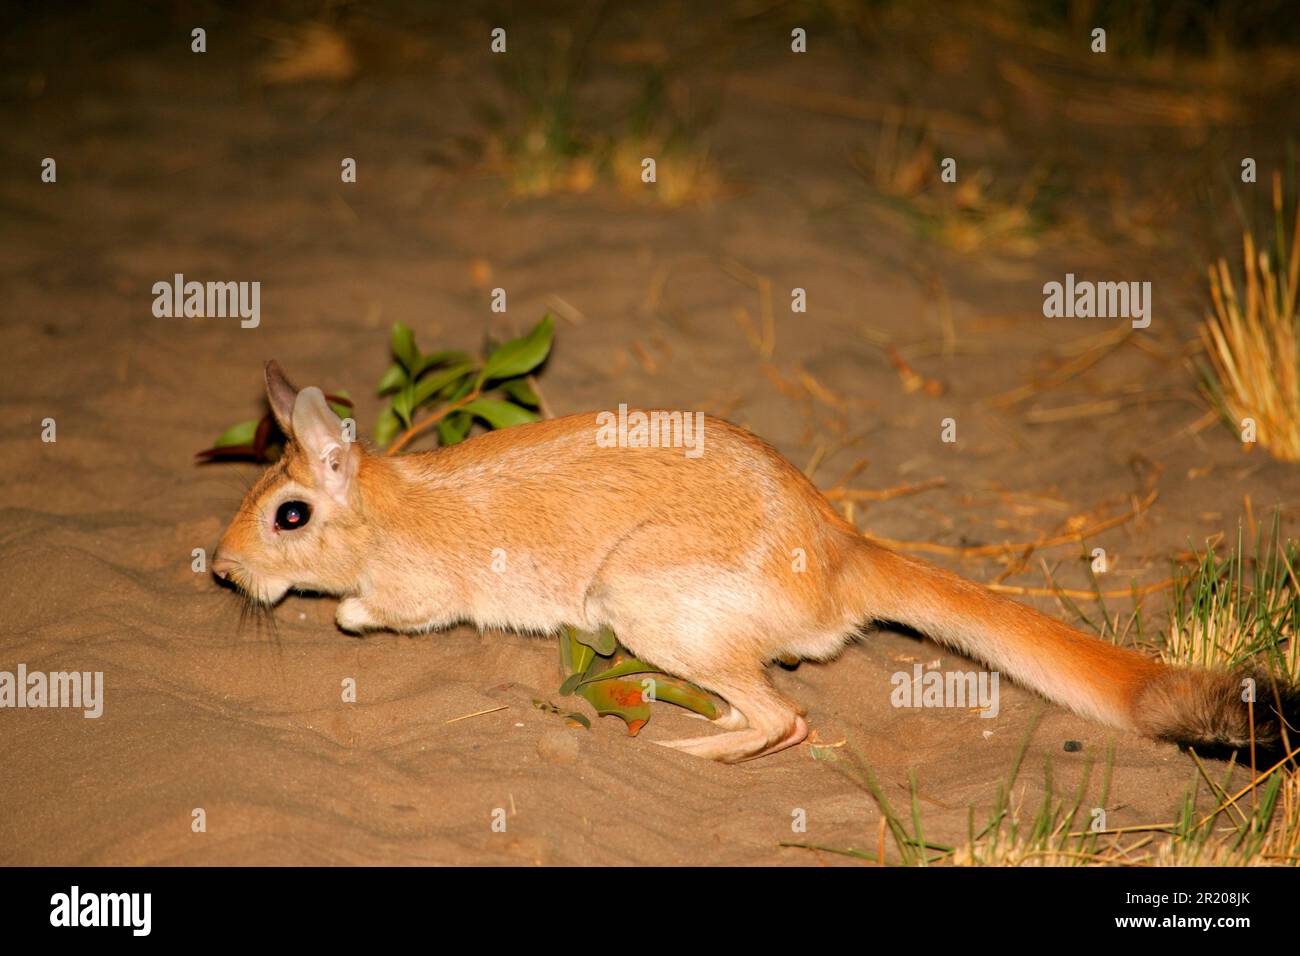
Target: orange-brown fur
x,y
694,562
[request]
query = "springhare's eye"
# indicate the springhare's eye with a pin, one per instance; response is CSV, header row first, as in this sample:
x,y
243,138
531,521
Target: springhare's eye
x,y
292,514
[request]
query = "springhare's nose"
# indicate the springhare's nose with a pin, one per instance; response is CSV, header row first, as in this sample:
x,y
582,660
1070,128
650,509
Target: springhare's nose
x,y
222,566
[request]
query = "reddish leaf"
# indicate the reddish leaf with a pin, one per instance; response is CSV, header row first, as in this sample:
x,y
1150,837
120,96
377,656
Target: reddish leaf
x,y
618,698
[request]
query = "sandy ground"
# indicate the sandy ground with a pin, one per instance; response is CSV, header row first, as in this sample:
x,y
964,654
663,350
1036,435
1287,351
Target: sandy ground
x,y
168,162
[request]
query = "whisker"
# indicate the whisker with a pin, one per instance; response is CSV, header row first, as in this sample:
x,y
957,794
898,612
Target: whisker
x,y
264,623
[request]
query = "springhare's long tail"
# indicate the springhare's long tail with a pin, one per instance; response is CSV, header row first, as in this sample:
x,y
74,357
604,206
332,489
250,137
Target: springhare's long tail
x,y
1116,686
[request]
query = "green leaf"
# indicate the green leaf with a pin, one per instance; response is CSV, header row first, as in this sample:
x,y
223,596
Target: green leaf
x,y
575,657
453,429
671,690
403,404
618,698
602,641
576,660
570,685
241,434
441,358
499,414
393,378
431,385
458,391
404,349
387,428
572,717
520,356
622,667
521,392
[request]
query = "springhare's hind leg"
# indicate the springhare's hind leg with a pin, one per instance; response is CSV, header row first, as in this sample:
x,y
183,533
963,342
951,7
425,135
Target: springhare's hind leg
x,y
730,719
713,634
772,723
733,719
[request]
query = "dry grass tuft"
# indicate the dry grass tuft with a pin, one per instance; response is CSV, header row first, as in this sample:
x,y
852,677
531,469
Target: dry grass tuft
x,y
1239,611
1254,346
685,172
967,216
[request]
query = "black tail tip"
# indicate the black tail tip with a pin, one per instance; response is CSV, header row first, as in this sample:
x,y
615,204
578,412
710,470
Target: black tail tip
x,y
1220,714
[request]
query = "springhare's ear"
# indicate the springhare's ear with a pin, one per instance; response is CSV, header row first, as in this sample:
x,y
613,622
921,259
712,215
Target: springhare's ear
x,y
320,435
281,394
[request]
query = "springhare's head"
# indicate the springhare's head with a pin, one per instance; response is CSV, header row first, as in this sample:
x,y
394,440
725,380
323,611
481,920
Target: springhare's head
x,y
299,526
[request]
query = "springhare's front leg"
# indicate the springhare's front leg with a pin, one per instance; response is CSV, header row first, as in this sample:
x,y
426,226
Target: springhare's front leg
x,y
355,616
384,609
